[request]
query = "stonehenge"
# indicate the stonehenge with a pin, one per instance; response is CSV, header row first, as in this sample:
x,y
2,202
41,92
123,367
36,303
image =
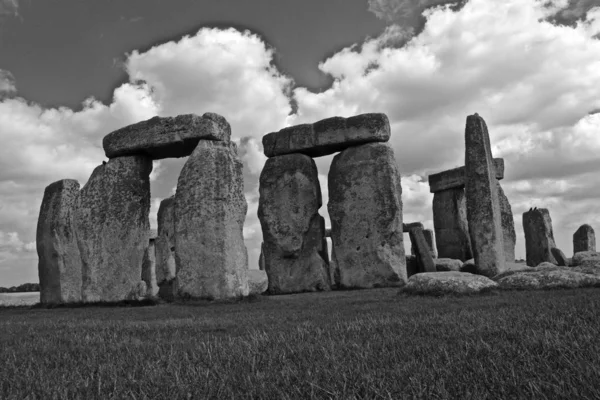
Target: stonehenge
x,y
539,237
95,244
584,239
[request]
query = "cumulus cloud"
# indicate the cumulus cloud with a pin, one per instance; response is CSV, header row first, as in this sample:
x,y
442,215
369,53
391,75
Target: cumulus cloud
x,y
406,12
9,8
7,84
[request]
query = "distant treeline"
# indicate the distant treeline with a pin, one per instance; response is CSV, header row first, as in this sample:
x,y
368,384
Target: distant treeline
x,y
26,287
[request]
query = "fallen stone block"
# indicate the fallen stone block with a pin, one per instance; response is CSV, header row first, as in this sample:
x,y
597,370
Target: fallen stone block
x,y
440,283
548,279
448,264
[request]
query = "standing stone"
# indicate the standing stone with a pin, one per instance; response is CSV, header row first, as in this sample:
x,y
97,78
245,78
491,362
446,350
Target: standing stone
x,y
509,237
210,209
584,239
365,207
293,230
430,239
450,224
59,264
419,247
112,228
483,208
149,268
261,258
165,249
539,238
559,256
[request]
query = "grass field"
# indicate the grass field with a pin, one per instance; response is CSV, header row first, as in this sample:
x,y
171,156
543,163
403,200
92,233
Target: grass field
x,y
355,344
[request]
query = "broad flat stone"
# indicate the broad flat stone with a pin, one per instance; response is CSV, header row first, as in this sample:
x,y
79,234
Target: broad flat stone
x,y
365,207
450,223
112,228
258,282
328,136
584,258
548,278
509,236
447,264
293,230
539,237
210,209
453,282
584,239
59,264
166,137
455,178
166,270
483,206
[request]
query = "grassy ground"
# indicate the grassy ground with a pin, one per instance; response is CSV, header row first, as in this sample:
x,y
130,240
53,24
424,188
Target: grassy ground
x,y
357,344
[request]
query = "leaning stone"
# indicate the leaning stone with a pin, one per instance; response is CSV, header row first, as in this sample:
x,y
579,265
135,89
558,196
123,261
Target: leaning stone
x,y
559,256
166,137
584,239
149,268
59,264
210,209
258,283
293,230
365,207
455,178
328,136
450,223
112,228
447,264
539,238
585,258
165,249
483,207
509,237
422,250
548,279
438,283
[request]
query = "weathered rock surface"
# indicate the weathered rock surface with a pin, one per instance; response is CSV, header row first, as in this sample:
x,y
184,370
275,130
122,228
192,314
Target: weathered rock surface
x,y
447,264
430,239
165,249
448,283
584,239
483,206
548,278
328,136
559,256
591,269
509,236
166,137
422,250
210,209
469,266
450,223
365,207
112,228
293,230
539,237
412,266
258,282
59,264
455,178
583,258
149,269
261,258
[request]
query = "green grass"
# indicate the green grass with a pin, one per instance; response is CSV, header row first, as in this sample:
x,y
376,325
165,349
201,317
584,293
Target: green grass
x,y
356,344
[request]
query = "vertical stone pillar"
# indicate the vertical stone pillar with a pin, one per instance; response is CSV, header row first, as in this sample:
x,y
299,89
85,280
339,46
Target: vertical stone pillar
x,y
210,209
430,239
539,238
166,270
481,191
509,237
584,239
450,224
365,207
422,249
293,230
59,264
149,267
112,228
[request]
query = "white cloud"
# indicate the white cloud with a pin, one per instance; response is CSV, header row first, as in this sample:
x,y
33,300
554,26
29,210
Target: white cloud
x,y
7,83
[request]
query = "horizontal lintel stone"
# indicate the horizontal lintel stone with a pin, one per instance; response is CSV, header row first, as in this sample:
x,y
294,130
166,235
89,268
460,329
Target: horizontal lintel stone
x,y
455,178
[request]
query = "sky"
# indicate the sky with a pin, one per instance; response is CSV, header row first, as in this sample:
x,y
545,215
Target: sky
x,y
72,71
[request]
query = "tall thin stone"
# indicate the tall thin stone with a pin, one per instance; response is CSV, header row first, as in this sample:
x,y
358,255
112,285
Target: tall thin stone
x,y
450,224
59,264
483,208
539,237
149,268
430,239
210,209
293,230
112,228
509,236
584,239
365,207
165,249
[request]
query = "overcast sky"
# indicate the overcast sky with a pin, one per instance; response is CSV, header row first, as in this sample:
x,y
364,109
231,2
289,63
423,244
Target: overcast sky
x,y
72,71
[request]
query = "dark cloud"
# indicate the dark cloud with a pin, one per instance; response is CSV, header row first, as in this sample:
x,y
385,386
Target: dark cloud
x,y
575,11
408,13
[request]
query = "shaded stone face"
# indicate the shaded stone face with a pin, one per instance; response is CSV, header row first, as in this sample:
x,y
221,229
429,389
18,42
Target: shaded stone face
x,y
455,178
112,228
166,137
165,248
430,239
539,237
59,264
293,230
365,207
328,136
483,208
422,250
450,224
210,209
509,236
149,269
584,239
